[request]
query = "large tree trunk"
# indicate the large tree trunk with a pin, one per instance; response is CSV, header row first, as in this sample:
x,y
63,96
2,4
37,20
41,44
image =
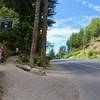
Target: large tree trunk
x,y
35,34
44,34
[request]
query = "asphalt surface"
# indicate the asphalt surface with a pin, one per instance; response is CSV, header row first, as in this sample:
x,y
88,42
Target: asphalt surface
x,y
23,85
85,73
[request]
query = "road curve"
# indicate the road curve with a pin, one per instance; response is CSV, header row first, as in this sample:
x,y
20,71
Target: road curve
x,y
86,74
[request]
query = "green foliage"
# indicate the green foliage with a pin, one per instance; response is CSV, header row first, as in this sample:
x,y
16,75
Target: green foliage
x,y
74,53
84,37
37,60
8,14
22,15
61,53
2,89
47,61
76,40
23,58
51,54
92,54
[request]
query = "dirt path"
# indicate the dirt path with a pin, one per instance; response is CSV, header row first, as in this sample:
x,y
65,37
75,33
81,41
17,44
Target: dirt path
x,y
26,86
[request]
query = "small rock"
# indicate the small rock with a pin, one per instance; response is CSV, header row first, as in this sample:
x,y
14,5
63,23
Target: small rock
x,y
38,71
24,67
19,66
27,68
43,72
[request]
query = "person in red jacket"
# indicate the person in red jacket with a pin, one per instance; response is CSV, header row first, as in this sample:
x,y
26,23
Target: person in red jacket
x,y
1,55
4,55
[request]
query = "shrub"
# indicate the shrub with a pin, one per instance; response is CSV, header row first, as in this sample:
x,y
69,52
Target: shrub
x,y
92,54
37,60
1,88
23,58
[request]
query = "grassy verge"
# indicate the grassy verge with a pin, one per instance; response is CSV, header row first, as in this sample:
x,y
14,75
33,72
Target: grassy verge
x,y
80,54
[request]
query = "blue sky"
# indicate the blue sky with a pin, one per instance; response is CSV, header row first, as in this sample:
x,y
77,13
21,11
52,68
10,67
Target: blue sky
x,y
71,16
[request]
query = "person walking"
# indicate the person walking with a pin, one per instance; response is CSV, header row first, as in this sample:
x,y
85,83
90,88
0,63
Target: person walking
x,y
17,51
1,57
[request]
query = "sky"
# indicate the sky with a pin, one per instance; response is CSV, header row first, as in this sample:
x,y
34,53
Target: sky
x,y
71,16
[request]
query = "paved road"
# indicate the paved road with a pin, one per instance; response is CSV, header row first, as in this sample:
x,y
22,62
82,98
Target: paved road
x,y
86,74
23,85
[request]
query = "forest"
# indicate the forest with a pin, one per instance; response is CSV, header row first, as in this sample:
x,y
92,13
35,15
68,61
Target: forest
x,y
29,26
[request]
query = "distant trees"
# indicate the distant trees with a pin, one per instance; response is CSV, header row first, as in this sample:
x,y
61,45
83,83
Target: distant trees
x,y
50,51
85,36
61,52
51,54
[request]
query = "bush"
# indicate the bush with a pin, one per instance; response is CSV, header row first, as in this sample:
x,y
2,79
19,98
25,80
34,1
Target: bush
x,y
47,61
23,58
70,54
1,88
92,54
37,60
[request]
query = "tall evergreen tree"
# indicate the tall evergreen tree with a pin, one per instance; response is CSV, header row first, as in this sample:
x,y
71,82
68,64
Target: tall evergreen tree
x,y
35,34
44,33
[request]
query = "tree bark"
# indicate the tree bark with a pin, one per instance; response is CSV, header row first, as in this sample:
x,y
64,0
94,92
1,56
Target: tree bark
x,y
35,34
44,34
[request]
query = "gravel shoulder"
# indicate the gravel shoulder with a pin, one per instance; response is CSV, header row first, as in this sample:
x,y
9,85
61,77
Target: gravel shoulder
x,y
23,85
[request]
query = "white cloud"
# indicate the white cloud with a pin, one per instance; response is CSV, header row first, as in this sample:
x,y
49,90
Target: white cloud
x,y
97,8
90,5
60,32
63,28
84,2
59,36
65,32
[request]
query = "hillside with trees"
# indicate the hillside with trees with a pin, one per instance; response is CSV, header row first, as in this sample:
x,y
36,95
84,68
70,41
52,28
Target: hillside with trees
x,y
86,43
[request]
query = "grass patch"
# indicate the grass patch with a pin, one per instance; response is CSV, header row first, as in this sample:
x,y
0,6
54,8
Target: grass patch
x,y
80,54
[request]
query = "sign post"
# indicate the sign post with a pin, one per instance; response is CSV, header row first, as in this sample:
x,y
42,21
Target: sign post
x,y
6,24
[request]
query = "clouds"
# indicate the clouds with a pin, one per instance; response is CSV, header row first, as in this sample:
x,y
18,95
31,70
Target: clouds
x,y
63,29
90,5
57,34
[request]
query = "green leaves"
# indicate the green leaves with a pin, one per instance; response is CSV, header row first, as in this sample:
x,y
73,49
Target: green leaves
x,y
85,36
